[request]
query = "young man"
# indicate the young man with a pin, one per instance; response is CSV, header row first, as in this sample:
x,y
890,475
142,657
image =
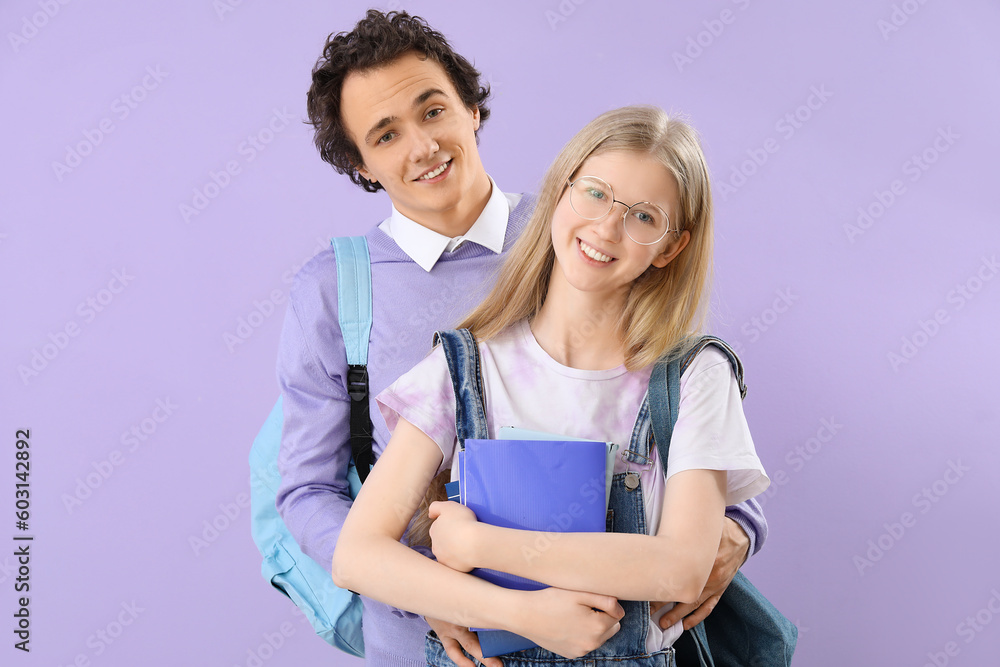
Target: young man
x,y
395,108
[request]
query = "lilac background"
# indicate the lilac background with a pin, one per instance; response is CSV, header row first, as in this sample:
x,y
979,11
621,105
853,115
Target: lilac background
x,y
854,296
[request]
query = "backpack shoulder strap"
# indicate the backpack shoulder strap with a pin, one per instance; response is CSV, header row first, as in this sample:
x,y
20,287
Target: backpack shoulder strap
x,y
664,393
462,353
354,309
354,295
723,347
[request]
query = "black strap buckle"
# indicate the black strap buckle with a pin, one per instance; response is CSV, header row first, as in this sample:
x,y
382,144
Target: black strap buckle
x,y
357,382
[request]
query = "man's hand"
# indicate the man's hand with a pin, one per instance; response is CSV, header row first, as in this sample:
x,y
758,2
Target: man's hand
x,y
455,638
732,554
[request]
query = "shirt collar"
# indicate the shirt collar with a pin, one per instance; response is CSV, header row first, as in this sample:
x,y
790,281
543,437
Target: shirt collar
x,y
425,246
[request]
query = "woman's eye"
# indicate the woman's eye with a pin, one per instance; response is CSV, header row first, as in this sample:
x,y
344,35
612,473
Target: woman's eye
x,y
388,136
434,113
596,194
646,217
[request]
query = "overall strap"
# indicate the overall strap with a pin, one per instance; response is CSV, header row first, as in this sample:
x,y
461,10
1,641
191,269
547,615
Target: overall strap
x,y
354,310
664,393
462,354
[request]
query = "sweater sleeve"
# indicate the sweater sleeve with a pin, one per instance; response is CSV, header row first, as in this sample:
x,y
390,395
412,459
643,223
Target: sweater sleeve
x,y
750,517
314,496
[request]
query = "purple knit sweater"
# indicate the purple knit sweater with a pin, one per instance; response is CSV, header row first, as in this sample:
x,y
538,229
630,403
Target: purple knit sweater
x,y
409,304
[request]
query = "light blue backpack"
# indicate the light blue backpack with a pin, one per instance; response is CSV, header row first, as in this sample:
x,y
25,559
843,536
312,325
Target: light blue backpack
x,y
334,613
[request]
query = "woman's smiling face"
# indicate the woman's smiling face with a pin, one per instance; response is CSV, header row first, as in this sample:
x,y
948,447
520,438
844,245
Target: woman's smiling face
x,y
597,255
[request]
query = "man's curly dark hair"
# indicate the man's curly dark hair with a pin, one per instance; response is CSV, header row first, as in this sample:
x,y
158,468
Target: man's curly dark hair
x,y
377,40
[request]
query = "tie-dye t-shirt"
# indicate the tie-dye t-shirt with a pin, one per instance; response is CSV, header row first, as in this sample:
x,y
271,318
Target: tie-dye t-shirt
x,y
527,388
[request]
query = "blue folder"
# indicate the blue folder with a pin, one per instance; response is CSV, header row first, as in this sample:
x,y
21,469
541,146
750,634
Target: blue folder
x,y
516,433
539,484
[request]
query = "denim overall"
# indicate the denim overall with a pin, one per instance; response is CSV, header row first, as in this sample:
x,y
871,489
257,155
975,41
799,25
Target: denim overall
x,y
626,514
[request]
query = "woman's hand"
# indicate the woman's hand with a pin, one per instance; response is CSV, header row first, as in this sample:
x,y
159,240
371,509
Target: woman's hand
x,y
452,539
569,623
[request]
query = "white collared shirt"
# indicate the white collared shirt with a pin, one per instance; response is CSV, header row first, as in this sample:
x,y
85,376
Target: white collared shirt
x,y
425,246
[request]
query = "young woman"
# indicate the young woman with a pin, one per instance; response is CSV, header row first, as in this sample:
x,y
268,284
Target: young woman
x,y
610,274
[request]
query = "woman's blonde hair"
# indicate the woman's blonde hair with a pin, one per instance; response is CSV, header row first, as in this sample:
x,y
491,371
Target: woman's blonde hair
x,y
664,305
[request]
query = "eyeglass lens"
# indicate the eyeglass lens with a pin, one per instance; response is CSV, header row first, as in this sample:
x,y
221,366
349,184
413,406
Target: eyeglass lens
x,y
592,199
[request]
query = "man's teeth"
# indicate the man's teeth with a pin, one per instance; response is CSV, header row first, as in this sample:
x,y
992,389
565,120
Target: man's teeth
x,y
593,254
436,172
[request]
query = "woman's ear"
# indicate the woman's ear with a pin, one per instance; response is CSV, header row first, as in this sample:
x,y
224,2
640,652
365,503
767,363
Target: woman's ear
x,y
673,249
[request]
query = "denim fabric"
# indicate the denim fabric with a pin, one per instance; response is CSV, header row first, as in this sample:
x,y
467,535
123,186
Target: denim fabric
x,y
627,648
470,398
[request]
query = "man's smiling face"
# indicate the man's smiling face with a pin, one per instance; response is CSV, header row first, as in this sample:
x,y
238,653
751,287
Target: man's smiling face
x,y
418,139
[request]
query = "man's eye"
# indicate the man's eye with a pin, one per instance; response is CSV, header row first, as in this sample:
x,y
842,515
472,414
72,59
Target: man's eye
x,y
388,136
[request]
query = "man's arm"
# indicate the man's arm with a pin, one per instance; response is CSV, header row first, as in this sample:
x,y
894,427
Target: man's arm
x,y
314,497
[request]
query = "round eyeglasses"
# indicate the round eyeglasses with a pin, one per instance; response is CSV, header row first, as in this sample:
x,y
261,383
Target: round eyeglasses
x,y
592,199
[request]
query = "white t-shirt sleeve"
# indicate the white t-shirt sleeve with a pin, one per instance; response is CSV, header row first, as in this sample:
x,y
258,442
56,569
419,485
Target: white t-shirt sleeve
x,y
425,397
711,431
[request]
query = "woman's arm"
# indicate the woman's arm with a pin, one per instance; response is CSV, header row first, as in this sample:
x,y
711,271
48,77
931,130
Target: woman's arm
x,y
672,565
370,560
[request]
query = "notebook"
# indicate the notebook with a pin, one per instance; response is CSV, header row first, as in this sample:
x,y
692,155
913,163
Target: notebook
x,y
532,481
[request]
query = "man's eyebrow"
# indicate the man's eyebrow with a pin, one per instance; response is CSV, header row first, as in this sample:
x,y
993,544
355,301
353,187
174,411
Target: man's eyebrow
x,y
377,127
388,120
427,94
